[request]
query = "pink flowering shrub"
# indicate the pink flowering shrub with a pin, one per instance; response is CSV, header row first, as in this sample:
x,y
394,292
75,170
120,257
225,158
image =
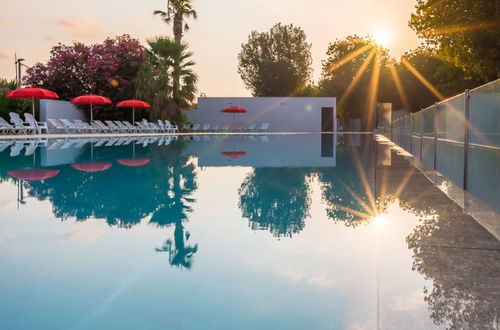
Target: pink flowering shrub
x,y
107,69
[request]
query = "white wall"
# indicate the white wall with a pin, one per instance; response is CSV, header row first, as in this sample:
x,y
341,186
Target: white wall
x,y
60,109
266,150
284,114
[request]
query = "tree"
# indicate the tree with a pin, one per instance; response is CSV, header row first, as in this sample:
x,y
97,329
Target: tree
x,y
444,76
11,105
167,63
177,10
106,69
356,71
466,32
276,63
276,199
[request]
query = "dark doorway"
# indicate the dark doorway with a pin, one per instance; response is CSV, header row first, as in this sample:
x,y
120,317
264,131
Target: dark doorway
x,y
327,119
327,145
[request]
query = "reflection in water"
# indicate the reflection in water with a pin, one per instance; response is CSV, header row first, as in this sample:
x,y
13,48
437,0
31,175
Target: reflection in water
x,y
181,183
461,258
179,254
449,249
276,199
161,186
347,189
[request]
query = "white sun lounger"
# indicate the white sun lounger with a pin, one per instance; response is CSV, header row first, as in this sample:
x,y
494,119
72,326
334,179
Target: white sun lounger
x,y
131,127
104,128
70,126
39,126
30,148
172,128
15,150
4,145
122,126
251,127
85,127
18,123
6,128
263,127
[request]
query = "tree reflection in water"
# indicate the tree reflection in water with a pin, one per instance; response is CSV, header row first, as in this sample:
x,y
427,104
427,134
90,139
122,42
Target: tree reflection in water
x,y
181,184
123,196
461,259
276,199
450,249
347,188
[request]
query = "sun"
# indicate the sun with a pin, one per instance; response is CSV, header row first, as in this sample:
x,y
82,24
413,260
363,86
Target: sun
x,y
382,37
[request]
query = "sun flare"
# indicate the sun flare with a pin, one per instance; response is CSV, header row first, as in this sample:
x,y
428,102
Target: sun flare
x,y
382,37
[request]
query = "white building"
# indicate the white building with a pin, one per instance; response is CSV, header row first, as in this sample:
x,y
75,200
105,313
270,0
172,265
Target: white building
x,y
284,114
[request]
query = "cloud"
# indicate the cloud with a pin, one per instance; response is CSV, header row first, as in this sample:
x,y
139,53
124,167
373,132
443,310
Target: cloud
x,y
84,232
82,28
411,302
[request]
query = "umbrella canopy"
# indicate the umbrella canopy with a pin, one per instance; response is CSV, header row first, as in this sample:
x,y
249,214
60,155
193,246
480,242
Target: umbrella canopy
x,y
92,167
134,162
33,93
90,99
233,110
33,174
233,154
133,104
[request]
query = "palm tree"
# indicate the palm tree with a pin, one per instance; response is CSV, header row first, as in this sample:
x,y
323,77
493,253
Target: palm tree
x,y
177,10
167,79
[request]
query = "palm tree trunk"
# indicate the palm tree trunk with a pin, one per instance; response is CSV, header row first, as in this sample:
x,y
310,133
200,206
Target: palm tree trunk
x,y
178,29
178,22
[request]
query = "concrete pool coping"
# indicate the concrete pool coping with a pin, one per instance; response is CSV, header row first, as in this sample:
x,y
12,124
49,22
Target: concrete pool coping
x,y
106,135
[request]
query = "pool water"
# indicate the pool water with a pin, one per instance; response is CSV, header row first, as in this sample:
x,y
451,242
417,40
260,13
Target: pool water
x,y
299,231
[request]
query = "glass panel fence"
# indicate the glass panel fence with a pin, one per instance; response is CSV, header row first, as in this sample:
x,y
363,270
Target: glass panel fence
x,y
428,142
483,161
436,136
450,144
407,133
416,132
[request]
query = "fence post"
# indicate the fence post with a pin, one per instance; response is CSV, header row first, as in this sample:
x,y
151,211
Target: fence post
x,y
421,133
411,133
435,133
466,136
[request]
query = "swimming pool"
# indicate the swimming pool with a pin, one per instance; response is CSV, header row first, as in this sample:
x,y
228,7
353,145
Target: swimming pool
x,y
298,231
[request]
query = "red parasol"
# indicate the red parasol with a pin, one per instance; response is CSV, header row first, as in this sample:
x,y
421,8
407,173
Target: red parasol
x,y
233,154
133,104
92,167
134,162
33,174
233,110
33,93
91,99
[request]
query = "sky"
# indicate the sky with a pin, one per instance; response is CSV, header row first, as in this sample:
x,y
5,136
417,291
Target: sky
x,y
31,27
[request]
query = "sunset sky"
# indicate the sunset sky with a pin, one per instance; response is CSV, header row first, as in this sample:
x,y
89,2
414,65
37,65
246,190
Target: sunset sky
x,y
31,27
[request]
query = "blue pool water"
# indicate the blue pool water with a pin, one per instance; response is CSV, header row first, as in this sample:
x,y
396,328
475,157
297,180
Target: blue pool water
x,y
302,231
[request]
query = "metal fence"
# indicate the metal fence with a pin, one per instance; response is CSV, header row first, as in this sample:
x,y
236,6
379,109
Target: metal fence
x,y
459,138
